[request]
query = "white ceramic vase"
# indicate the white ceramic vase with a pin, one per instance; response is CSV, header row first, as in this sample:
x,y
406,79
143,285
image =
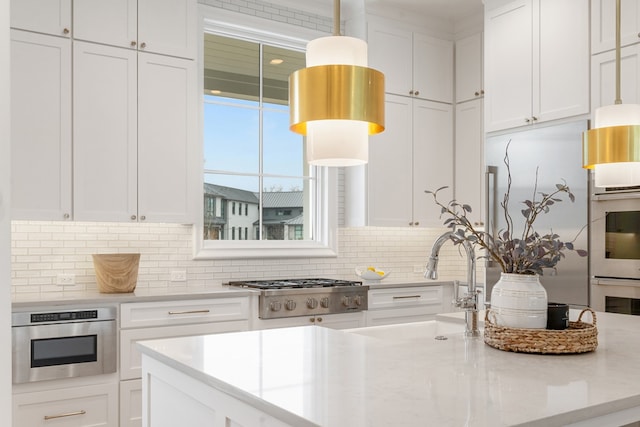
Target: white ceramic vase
x,y
519,301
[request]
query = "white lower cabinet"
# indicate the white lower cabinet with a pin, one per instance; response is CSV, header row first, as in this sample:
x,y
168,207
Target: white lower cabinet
x,y
79,406
333,321
403,305
168,319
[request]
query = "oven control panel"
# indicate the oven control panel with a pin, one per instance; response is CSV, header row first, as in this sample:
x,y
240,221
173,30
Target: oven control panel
x,y
63,316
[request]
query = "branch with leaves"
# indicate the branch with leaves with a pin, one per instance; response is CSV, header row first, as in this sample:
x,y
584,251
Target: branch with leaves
x,y
528,254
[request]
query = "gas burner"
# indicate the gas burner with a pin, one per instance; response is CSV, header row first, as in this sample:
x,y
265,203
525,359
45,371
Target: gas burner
x,y
293,283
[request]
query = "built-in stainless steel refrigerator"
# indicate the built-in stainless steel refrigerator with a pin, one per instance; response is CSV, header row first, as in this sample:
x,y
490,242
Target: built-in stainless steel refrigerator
x,y
556,151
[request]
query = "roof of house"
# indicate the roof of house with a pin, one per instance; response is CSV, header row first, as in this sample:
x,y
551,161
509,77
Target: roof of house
x,y
230,193
282,199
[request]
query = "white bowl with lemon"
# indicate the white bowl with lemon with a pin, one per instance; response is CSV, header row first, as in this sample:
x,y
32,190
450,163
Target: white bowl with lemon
x,y
371,273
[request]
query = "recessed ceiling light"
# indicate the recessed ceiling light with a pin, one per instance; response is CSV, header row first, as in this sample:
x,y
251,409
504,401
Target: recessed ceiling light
x,y
276,61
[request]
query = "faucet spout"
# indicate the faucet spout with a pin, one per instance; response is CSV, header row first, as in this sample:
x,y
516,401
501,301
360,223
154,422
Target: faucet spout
x,y
468,302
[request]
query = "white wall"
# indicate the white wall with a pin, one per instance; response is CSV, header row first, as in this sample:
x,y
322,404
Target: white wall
x,y
41,250
5,300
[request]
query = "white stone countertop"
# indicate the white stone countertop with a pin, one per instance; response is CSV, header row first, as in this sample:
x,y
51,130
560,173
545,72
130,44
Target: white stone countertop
x,y
336,378
93,297
26,300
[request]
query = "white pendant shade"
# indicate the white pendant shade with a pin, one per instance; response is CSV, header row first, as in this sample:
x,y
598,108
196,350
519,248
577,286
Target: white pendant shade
x,y
337,142
620,174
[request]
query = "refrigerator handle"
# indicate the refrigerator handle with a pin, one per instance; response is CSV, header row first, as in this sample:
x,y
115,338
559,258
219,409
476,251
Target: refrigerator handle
x,y
490,203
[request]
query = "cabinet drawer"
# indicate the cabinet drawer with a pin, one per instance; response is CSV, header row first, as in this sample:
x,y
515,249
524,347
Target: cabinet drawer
x,y
130,358
139,315
393,316
406,297
95,405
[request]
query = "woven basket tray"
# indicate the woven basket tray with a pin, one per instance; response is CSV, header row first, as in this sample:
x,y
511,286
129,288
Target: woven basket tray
x,y
580,337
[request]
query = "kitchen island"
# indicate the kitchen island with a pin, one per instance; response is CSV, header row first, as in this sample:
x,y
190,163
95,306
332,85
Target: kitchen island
x,y
390,376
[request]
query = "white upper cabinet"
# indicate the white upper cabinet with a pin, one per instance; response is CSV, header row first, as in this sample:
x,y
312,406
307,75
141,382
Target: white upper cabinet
x,y
167,139
40,126
105,133
134,143
603,24
536,62
469,159
159,26
42,16
469,84
414,154
413,64
603,77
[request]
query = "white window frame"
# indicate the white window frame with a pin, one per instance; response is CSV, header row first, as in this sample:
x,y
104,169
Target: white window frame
x,y
232,24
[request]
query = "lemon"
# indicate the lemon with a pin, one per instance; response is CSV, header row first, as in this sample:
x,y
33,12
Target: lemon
x,y
371,268
380,272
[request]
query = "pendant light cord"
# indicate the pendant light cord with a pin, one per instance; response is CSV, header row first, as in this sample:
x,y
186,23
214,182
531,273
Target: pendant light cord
x,y
336,17
618,41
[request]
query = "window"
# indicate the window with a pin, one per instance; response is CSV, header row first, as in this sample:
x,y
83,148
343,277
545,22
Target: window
x,y
250,155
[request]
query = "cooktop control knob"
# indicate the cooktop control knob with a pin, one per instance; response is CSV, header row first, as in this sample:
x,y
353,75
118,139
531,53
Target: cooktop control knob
x,y
324,302
346,301
312,303
275,306
357,300
290,305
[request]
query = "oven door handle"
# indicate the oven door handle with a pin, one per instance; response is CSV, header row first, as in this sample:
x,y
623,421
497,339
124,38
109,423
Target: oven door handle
x,y
68,414
173,313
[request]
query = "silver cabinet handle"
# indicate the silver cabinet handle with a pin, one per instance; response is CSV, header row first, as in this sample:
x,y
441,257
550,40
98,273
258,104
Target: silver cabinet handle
x,y
407,296
189,312
68,414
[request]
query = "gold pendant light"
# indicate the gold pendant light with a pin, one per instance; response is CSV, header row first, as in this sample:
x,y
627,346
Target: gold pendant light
x,y
337,101
612,147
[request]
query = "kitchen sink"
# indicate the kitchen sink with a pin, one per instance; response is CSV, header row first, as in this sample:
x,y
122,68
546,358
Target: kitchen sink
x,y
411,331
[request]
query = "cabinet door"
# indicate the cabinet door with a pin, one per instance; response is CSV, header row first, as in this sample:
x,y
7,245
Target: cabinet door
x,y
167,142
561,75
111,22
43,16
168,27
469,83
389,169
391,51
603,24
84,406
131,403
105,153
508,65
432,68
603,77
469,159
342,321
432,159
130,358
40,126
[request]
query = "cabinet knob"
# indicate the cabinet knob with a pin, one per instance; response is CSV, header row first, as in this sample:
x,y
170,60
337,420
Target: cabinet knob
x,y
416,223
133,43
133,217
482,92
477,93
527,119
143,45
312,319
142,218
534,118
410,92
65,31
319,319
411,224
66,216
417,93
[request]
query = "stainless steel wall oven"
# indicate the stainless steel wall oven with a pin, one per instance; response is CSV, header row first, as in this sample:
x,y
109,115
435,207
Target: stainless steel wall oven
x,y
61,344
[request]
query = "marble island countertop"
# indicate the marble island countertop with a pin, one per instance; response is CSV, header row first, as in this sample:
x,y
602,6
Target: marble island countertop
x,y
313,376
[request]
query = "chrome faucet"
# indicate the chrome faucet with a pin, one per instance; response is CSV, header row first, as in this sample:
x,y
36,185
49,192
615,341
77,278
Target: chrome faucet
x,y
468,302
